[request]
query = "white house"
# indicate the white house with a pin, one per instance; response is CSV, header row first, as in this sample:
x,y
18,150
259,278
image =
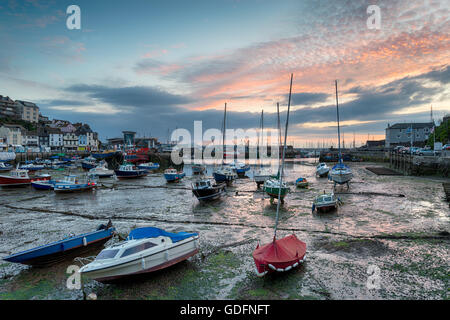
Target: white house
x,y
13,134
70,141
55,139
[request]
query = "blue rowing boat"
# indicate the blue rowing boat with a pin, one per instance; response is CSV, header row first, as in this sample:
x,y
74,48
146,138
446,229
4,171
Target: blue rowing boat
x,y
57,251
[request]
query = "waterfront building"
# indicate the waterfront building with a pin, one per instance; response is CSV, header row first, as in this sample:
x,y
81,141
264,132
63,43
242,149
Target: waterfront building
x,y
404,133
55,139
31,139
13,134
70,141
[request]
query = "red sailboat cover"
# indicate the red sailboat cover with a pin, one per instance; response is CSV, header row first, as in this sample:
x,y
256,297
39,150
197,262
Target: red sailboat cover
x,y
280,254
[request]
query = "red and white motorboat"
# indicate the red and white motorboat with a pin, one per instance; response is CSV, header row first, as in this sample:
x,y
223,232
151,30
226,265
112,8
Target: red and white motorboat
x,y
17,177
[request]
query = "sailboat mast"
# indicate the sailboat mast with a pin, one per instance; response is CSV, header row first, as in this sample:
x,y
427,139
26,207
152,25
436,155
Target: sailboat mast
x,y
223,133
339,132
282,161
279,136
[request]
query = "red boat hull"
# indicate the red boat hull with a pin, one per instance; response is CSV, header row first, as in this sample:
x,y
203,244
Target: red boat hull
x,y
6,181
279,255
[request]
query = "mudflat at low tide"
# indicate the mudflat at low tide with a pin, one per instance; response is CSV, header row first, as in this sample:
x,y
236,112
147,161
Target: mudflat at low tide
x,y
388,240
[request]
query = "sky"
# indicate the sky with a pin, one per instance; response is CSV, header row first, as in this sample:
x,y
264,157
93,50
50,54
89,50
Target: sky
x,y
153,66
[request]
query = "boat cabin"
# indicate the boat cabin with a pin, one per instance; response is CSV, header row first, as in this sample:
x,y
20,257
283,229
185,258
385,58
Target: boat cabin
x,y
202,184
127,167
19,173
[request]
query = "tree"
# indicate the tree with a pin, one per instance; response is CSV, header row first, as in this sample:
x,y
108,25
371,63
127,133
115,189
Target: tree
x,y
442,134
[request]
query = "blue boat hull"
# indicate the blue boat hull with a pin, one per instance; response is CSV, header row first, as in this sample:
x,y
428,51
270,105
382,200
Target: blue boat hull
x,y
130,174
242,170
56,251
173,177
222,178
43,185
148,167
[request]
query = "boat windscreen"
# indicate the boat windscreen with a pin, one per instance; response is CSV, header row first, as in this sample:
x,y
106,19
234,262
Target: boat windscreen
x,y
107,254
138,248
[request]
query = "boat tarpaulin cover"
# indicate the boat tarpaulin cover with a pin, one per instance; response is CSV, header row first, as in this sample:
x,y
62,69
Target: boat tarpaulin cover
x,y
152,232
280,253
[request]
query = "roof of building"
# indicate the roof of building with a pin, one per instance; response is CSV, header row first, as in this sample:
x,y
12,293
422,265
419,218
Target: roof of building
x,y
414,125
27,104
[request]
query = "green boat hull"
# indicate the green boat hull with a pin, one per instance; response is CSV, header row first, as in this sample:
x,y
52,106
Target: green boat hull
x,y
273,192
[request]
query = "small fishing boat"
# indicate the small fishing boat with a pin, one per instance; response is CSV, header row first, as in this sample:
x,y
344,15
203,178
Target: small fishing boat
x,y
127,171
5,167
224,173
57,251
149,166
101,171
325,202
302,183
70,183
240,168
145,250
283,254
17,177
322,169
272,188
198,168
205,189
89,163
172,175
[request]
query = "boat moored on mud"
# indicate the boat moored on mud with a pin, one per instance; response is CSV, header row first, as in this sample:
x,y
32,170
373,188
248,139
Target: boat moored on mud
x,y
206,189
172,175
127,171
145,250
57,251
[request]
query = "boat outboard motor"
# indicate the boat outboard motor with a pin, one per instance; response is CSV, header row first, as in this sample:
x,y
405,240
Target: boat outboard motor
x,y
105,227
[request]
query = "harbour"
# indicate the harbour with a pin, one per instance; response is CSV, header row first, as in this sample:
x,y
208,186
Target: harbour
x,y
394,230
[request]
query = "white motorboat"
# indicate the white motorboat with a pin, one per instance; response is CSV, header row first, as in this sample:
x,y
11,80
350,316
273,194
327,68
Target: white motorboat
x,y
322,169
101,171
325,202
145,250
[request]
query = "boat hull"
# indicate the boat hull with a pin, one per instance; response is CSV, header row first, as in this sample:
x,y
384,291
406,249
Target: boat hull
x,y
42,185
210,193
223,177
130,174
153,262
60,250
67,188
323,172
279,255
6,181
173,177
341,178
274,191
